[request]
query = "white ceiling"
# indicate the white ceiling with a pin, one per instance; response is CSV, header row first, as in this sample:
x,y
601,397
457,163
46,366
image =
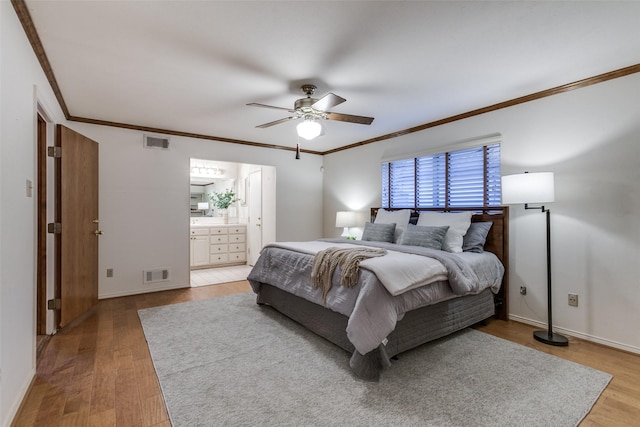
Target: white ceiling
x,y
192,66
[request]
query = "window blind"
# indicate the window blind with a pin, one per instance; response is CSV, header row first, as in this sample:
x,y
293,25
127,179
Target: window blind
x,y
431,181
402,183
461,178
466,177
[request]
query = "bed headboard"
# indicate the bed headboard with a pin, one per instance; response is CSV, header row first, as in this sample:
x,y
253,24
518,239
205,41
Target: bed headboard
x,y
497,242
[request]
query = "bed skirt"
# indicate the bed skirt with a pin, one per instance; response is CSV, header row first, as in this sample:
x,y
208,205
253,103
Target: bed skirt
x,y
416,327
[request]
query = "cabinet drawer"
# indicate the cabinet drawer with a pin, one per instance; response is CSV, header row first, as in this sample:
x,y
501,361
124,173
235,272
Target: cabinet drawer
x,y
237,238
237,247
237,230
237,256
219,258
218,230
199,231
219,238
217,249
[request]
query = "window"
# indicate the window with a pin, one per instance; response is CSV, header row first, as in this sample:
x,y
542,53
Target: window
x,y
462,178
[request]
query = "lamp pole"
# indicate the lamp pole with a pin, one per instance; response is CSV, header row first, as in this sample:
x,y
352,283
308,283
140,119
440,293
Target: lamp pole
x,y
549,337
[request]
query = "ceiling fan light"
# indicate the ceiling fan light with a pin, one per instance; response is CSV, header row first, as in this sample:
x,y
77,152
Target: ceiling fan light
x,y
309,129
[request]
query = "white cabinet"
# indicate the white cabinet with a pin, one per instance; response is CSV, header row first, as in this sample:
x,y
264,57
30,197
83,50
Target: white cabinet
x,y
199,247
225,245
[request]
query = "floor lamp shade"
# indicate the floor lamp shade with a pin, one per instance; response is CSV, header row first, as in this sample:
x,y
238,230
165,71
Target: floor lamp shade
x,y
528,188
536,188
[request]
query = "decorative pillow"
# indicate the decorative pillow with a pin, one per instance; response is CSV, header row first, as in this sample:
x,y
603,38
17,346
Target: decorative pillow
x,y
378,232
428,237
458,223
476,236
400,218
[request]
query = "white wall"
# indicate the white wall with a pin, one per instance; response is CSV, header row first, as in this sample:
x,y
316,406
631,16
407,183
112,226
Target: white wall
x,y
143,204
144,199
19,73
590,138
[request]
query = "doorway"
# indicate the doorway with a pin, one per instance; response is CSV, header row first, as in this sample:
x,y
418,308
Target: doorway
x,y
44,194
240,231
42,333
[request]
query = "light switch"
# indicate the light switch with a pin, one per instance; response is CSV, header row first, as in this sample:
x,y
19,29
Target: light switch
x,y
29,188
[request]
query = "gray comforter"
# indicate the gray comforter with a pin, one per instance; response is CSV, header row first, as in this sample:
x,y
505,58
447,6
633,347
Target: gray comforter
x,y
372,310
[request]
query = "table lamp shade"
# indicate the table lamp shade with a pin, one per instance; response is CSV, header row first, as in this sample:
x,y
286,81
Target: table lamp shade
x,y
346,219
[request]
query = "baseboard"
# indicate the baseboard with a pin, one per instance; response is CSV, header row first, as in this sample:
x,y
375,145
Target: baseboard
x,y
16,406
576,334
141,291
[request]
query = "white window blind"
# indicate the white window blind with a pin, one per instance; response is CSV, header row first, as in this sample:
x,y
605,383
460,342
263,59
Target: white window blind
x,y
466,177
431,181
462,178
402,190
494,188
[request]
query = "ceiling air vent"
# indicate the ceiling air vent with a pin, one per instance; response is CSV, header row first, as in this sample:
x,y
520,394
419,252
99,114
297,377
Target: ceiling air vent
x,y
157,142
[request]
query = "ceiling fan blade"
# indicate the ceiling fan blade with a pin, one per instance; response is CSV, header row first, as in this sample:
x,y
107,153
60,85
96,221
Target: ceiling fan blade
x,y
277,122
255,104
349,118
327,101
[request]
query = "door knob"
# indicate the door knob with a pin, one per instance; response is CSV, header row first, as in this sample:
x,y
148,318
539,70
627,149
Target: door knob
x,y
95,221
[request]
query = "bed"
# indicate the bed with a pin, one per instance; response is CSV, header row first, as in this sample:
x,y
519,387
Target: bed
x,y
373,321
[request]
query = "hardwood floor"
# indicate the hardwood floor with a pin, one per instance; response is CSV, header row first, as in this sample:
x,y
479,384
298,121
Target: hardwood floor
x,y
100,372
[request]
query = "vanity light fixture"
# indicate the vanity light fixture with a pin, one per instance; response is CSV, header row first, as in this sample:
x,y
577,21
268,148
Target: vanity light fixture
x,y
201,170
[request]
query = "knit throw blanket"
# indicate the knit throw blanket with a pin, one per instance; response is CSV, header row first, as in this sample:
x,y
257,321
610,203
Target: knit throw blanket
x,y
348,259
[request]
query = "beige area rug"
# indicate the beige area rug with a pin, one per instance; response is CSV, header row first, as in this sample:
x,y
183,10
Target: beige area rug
x,y
229,362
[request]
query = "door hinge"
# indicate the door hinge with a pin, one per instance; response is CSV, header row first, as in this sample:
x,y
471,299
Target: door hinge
x,y
54,228
54,304
55,152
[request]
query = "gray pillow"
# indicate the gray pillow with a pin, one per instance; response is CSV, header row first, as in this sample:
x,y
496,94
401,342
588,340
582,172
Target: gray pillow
x,y
379,232
476,237
423,235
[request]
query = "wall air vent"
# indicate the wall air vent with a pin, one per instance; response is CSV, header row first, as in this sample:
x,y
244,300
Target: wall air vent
x,y
151,276
157,142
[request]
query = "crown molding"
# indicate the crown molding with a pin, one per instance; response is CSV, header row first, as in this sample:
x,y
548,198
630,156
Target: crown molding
x,y
622,72
185,134
27,24
30,30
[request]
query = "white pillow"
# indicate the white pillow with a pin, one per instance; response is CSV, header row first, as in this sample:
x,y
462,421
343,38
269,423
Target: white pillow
x,y
458,223
399,218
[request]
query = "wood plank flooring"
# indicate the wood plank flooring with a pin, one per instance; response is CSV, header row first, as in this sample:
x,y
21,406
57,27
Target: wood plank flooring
x,y
100,373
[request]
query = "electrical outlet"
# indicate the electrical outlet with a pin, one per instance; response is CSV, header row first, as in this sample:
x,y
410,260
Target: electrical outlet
x,y
523,290
573,300
109,272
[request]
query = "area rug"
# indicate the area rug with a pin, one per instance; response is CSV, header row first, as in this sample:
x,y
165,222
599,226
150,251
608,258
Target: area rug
x,y
229,362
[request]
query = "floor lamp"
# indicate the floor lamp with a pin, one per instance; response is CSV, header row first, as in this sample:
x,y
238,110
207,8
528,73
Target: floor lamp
x,y
536,188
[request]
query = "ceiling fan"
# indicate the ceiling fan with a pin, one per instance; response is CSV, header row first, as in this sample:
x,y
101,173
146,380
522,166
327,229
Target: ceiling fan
x,y
312,110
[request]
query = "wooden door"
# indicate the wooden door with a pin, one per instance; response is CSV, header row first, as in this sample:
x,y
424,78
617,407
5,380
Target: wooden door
x,y
77,212
41,262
